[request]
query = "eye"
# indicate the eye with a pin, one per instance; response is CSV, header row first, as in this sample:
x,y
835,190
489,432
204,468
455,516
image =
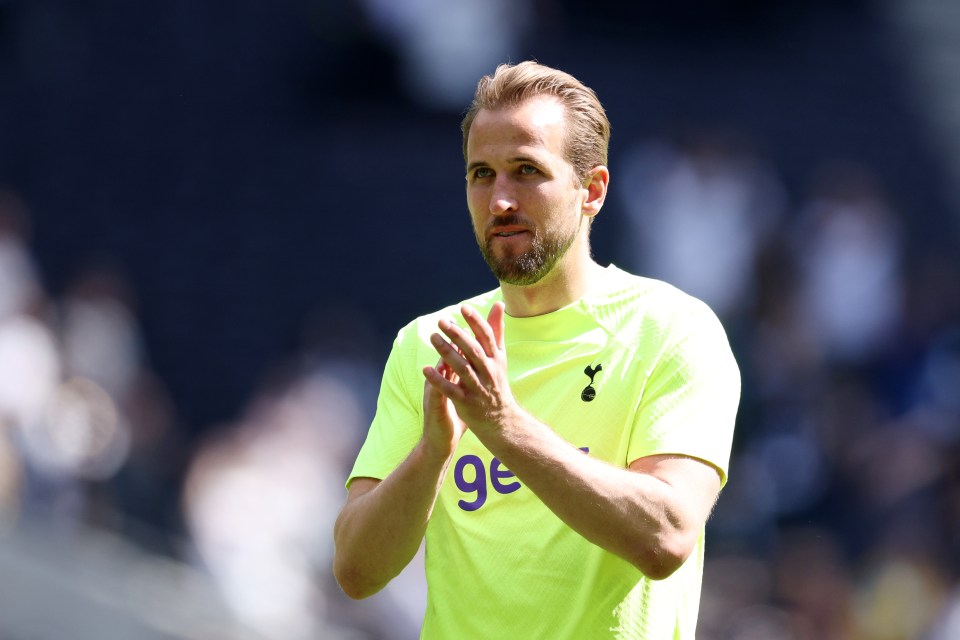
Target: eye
x,y
528,170
482,172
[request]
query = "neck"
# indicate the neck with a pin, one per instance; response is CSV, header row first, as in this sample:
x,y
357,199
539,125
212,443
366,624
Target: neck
x,y
566,283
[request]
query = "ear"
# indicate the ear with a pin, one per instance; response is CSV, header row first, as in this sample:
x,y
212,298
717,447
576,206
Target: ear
x,y
596,188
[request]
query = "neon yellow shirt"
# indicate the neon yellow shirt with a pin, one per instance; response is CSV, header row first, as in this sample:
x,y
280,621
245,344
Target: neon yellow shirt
x,y
635,368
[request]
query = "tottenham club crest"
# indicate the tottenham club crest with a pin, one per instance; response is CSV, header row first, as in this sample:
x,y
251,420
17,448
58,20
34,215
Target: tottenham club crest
x,y
589,393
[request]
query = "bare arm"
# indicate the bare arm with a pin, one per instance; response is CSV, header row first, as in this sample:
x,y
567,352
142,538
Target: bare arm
x,y
380,527
650,514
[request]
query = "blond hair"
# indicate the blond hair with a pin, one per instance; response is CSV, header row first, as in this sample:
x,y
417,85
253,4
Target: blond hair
x,y
587,127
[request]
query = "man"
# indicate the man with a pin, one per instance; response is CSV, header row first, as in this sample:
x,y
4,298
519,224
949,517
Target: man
x,y
564,453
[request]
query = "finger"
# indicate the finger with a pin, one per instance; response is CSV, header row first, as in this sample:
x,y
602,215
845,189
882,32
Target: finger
x,y
440,383
495,320
469,348
446,371
455,358
481,330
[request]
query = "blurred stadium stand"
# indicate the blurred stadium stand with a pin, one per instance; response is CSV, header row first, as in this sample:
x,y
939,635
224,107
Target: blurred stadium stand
x,y
213,220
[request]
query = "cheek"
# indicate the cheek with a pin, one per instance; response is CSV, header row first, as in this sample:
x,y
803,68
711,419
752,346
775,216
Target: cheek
x,y
474,196
478,206
477,219
475,204
557,203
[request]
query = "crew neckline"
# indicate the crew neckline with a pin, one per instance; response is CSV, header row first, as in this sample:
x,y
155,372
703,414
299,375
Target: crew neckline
x,y
556,324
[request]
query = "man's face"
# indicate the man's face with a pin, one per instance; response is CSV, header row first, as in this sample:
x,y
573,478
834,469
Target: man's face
x,y
523,196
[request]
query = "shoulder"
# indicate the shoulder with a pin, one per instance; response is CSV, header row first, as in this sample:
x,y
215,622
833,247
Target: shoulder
x,y
633,304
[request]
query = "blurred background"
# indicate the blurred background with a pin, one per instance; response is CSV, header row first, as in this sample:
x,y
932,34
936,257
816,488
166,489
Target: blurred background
x,y
214,217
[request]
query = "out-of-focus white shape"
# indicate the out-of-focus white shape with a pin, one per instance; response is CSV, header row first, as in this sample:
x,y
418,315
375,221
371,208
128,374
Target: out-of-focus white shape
x,y
849,256
446,46
100,342
697,218
99,334
81,433
261,498
257,503
29,369
244,518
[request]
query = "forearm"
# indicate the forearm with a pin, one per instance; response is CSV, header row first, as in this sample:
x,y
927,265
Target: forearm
x,y
378,533
650,514
634,515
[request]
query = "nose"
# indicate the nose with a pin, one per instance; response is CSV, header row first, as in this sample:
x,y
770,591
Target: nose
x,y
502,199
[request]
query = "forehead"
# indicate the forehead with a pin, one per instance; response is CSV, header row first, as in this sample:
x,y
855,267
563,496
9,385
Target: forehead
x,y
537,122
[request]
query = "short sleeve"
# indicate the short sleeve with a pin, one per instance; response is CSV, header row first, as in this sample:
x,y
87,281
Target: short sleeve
x,y
398,422
692,392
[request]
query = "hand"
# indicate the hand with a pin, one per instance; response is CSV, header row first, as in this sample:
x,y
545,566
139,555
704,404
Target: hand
x,y
479,388
442,427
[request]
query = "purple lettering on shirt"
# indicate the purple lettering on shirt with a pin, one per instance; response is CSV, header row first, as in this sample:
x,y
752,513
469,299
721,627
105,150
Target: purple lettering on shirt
x,y
478,484
497,473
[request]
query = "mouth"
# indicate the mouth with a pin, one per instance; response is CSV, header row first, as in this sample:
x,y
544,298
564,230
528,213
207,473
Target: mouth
x,y
507,231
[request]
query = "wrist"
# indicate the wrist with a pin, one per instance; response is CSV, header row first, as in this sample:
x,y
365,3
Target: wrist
x,y
434,455
505,420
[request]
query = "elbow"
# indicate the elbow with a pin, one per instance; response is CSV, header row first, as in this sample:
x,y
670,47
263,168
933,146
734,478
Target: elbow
x,y
657,566
661,560
353,591
352,581
352,588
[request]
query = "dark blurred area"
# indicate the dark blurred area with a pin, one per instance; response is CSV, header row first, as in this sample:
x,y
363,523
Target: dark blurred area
x,y
215,217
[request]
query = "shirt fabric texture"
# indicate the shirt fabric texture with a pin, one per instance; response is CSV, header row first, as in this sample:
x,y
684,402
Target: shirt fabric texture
x,y
634,368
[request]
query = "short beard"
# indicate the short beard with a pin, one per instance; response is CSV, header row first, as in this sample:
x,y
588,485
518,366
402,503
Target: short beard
x,y
530,266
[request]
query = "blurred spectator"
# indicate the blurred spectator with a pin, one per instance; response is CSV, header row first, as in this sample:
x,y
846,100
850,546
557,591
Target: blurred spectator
x,y
898,597
105,415
260,500
247,522
103,351
849,255
698,213
29,370
842,514
445,46
98,332
81,436
30,365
